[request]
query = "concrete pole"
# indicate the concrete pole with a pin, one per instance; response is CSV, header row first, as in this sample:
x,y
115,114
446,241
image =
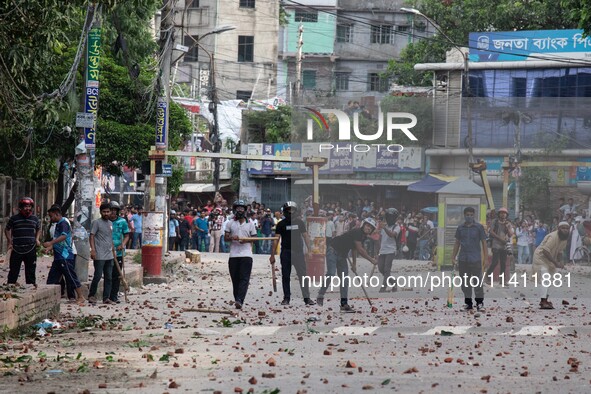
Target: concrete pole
x,y
155,221
299,61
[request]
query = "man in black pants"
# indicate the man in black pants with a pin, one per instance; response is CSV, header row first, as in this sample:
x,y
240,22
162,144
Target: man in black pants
x,y
23,235
470,238
292,231
240,262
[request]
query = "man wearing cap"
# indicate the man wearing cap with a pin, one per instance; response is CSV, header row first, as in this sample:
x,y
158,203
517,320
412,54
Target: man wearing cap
x,y
547,259
63,254
501,232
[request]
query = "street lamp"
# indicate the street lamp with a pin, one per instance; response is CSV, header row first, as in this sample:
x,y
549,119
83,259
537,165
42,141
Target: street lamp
x,y
466,77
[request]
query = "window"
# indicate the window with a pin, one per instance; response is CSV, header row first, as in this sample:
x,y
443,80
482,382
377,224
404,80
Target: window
x,y
193,54
192,4
381,34
247,3
377,83
403,28
344,33
309,79
243,95
342,80
245,48
306,16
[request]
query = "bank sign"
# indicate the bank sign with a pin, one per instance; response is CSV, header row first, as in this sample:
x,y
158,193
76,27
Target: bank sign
x,y
529,45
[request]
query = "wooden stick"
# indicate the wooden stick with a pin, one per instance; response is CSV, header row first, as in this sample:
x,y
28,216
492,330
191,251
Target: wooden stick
x,y
273,252
254,239
122,278
208,310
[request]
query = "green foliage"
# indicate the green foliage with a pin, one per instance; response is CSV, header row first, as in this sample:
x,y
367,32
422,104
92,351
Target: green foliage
x,y
579,13
422,108
270,126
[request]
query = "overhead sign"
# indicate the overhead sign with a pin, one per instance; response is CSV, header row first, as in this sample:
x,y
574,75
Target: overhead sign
x,y
499,46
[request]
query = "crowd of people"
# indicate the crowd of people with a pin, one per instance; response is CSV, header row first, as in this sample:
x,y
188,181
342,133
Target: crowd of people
x,y
378,234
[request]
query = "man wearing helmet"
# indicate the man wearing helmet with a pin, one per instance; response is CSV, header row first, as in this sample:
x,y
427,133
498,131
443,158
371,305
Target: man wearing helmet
x,y
388,236
120,239
240,262
23,235
292,231
336,259
501,232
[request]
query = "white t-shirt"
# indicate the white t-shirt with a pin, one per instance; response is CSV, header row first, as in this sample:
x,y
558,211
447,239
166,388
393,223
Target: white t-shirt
x,y
388,244
242,230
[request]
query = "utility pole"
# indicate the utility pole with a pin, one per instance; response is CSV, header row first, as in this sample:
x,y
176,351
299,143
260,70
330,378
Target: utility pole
x,y
215,135
299,61
85,199
154,224
517,169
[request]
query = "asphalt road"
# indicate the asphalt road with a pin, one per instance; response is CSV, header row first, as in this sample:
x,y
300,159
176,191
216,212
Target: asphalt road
x,y
410,342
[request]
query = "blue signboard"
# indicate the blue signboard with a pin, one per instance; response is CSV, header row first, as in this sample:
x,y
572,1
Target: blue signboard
x,y
166,169
528,45
161,123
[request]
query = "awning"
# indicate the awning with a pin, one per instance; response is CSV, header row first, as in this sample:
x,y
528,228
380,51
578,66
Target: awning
x,y
430,183
200,187
355,182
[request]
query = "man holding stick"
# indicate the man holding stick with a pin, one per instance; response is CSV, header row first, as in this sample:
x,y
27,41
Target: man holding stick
x,y
292,232
240,262
336,259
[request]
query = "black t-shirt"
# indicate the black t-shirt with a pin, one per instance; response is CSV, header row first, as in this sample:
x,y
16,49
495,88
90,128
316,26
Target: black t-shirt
x,y
345,242
23,231
184,228
291,234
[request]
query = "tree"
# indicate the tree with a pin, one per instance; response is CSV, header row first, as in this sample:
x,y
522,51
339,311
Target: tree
x,y
579,13
35,62
458,18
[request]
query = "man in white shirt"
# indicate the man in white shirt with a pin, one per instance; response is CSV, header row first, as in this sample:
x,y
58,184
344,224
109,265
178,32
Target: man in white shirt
x,y
240,262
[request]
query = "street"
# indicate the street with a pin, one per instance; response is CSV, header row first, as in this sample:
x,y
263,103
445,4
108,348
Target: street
x,y
412,343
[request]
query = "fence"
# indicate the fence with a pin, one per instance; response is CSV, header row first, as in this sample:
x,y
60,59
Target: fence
x,y
11,190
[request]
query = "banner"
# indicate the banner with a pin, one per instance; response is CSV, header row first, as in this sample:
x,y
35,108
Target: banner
x,y
161,128
93,51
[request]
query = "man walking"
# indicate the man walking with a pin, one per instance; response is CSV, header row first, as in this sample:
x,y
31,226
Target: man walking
x,y
292,231
547,259
120,238
240,262
23,234
63,254
102,252
201,229
471,245
336,259
173,229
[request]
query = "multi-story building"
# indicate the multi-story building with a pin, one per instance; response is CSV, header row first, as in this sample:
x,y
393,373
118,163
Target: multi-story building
x,y
347,45
244,57
525,100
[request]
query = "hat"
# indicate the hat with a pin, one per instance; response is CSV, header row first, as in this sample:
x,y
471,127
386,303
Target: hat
x,y
172,212
563,223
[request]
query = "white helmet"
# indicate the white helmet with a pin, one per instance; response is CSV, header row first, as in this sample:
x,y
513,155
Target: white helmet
x,y
371,222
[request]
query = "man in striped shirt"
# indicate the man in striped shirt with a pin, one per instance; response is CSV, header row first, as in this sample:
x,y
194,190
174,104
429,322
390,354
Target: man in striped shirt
x,y
23,235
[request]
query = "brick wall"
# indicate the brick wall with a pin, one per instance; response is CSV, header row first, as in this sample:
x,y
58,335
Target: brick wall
x,y
32,307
